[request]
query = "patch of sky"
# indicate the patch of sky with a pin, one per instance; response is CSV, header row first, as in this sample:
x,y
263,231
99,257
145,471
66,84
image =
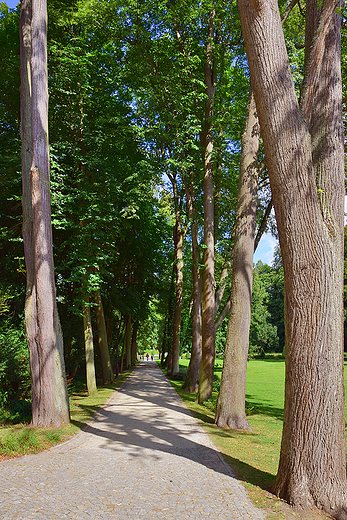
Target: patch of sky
x,y
12,3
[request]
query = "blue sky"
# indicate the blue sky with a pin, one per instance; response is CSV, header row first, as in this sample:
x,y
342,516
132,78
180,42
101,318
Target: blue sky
x,y
265,249
12,3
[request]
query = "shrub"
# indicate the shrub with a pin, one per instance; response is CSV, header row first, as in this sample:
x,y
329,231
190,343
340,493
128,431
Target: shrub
x,y
14,374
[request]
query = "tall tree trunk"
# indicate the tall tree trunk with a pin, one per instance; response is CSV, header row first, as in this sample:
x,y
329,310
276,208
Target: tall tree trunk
x,y
191,383
178,236
208,301
109,331
89,347
167,340
231,400
50,403
133,344
107,373
305,158
227,268
121,362
178,240
127,340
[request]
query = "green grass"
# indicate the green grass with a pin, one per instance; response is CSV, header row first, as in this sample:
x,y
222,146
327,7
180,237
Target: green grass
x,y
253,456
22,439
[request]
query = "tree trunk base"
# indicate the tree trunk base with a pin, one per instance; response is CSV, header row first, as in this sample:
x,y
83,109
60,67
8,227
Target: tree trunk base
x,y
190,388
302,497
234,422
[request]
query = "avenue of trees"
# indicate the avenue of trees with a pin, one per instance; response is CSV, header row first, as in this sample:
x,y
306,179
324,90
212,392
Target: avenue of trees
x,y
146,147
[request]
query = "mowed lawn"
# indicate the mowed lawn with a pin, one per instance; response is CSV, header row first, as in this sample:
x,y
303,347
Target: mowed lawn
x,y
254,455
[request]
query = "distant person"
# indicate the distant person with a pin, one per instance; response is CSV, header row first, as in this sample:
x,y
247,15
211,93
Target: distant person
x,y
152,357
147,356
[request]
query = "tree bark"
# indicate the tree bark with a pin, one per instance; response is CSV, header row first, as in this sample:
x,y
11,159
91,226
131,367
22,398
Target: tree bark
x,y
89,347
191,383
231,400
305,157
134,344
107,373
50,403
208,301
179,234
227,267
127,341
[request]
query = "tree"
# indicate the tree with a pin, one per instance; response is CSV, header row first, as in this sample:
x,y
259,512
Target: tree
x,y
88,342
191,383
230,409
50,405
107,373
305,158
208,295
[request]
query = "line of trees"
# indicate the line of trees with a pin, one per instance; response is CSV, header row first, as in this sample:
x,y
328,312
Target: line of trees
x,y
168,147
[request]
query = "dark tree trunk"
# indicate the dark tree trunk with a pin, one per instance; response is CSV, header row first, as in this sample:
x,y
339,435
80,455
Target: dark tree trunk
x,y
107,373
127,340
134,344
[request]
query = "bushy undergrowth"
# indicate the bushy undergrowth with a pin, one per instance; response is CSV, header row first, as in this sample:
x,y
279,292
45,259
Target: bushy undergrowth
x,y
14,375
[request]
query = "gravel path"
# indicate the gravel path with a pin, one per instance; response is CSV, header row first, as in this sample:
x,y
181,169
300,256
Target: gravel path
x,y
143,457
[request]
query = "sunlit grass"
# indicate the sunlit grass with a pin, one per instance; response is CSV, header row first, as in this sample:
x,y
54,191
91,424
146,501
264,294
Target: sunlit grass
x,y
253,456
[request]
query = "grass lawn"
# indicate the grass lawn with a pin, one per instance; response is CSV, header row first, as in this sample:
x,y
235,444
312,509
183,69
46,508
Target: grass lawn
x,y
21,439
253,456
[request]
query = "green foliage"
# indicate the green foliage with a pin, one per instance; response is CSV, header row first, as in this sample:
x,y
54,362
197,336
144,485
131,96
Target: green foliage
x,y
14,374
263,334
151,330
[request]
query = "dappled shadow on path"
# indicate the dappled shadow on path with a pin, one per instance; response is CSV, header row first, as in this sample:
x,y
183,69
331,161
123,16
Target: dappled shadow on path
x,y
145,419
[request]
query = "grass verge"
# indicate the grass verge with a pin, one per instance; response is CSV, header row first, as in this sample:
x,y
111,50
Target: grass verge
x,y
253,456
21,439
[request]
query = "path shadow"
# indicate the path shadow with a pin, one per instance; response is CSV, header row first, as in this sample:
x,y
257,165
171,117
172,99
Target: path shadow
x,y
138,429
260,407
250,474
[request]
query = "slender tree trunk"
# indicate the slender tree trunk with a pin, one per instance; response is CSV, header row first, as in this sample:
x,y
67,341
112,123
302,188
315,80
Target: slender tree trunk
x,y
231,400
127,340
50,404
191,383
109,331
107,372
222,284
133,344
208,301
121,364
305,157
167,344
179,234
178,240
227,268
89,347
